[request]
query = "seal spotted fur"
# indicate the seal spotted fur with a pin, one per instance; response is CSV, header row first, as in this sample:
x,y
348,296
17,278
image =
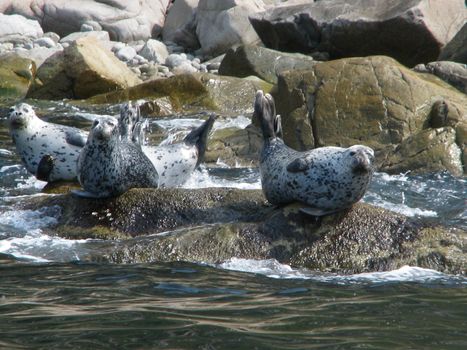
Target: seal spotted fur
x,y
49,151
327,179
110,165
176,162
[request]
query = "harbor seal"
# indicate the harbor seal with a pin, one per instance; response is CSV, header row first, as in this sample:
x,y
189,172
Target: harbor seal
x,y
109,166
176,162
327,179
49,151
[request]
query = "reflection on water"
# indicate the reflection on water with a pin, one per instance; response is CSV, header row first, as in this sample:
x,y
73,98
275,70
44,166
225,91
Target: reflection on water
x,y
190,306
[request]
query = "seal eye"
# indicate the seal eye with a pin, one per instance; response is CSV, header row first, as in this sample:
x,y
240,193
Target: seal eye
x,y
352,153
95,123
11,110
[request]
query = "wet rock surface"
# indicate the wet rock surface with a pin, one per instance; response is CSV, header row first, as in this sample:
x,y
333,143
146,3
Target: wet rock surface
x,y
214,225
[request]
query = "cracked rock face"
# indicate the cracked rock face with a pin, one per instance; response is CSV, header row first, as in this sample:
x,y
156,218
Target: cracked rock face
x,y
377,102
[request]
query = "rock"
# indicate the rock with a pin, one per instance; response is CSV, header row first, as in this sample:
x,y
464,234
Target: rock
x,y
456,49
194,92
410,31
16,75
222,24
155,51
235,147
90,26
14,26
83,69
432,150
180,14
451,72
125,20
158,107
264,63
45,42
214,225
38,54
386,105
54,36
184,68
99,35
173,60
126,53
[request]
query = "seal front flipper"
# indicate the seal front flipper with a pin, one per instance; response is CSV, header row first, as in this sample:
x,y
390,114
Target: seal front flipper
x,y
312,211
299,165
85,194
45,167
76,139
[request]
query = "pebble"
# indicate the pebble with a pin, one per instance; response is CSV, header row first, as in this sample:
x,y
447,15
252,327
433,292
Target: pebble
x,y
126,53
44,42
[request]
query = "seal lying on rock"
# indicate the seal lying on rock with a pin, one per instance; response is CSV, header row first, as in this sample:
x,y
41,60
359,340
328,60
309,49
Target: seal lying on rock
x,y
49,151
327,179
109,166
176,162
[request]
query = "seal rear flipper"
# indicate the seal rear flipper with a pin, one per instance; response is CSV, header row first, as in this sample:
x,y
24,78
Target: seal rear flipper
x,y
86,194
199,137
265,112
45,168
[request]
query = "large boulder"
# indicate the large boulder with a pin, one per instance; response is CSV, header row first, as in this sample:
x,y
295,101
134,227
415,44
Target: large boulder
x,y
84,69
264,63
451,72
412,31
16,76
125,20
15,26
192,92
222,24
378,102
214,225
456,49
178,21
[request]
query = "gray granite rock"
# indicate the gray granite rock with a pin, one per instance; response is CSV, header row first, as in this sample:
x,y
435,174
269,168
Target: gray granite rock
x,y
411,31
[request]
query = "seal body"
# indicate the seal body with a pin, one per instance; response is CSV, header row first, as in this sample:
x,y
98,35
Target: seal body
x,y
49,151
176,162
109,165
326,179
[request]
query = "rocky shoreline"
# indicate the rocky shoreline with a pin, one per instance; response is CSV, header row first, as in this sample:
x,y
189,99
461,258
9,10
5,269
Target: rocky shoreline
x,y
392,76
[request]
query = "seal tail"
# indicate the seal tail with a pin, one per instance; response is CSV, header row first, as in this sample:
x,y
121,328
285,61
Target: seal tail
x,y
265,111
199,137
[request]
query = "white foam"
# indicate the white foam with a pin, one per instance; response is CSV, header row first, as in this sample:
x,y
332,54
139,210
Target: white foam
x,y
202,179
272,268
26,220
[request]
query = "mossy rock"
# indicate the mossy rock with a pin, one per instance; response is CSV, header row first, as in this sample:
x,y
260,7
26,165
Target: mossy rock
x,y
367,100
16,76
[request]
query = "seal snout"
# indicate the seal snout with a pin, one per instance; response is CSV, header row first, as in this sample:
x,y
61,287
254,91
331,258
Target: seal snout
x,y
363,158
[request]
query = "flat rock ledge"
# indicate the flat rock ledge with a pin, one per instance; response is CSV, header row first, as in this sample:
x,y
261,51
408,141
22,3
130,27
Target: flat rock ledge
x,y
214,225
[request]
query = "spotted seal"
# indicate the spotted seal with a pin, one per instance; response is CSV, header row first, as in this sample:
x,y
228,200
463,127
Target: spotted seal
x,y
176,162
49,151
109,165
327,179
